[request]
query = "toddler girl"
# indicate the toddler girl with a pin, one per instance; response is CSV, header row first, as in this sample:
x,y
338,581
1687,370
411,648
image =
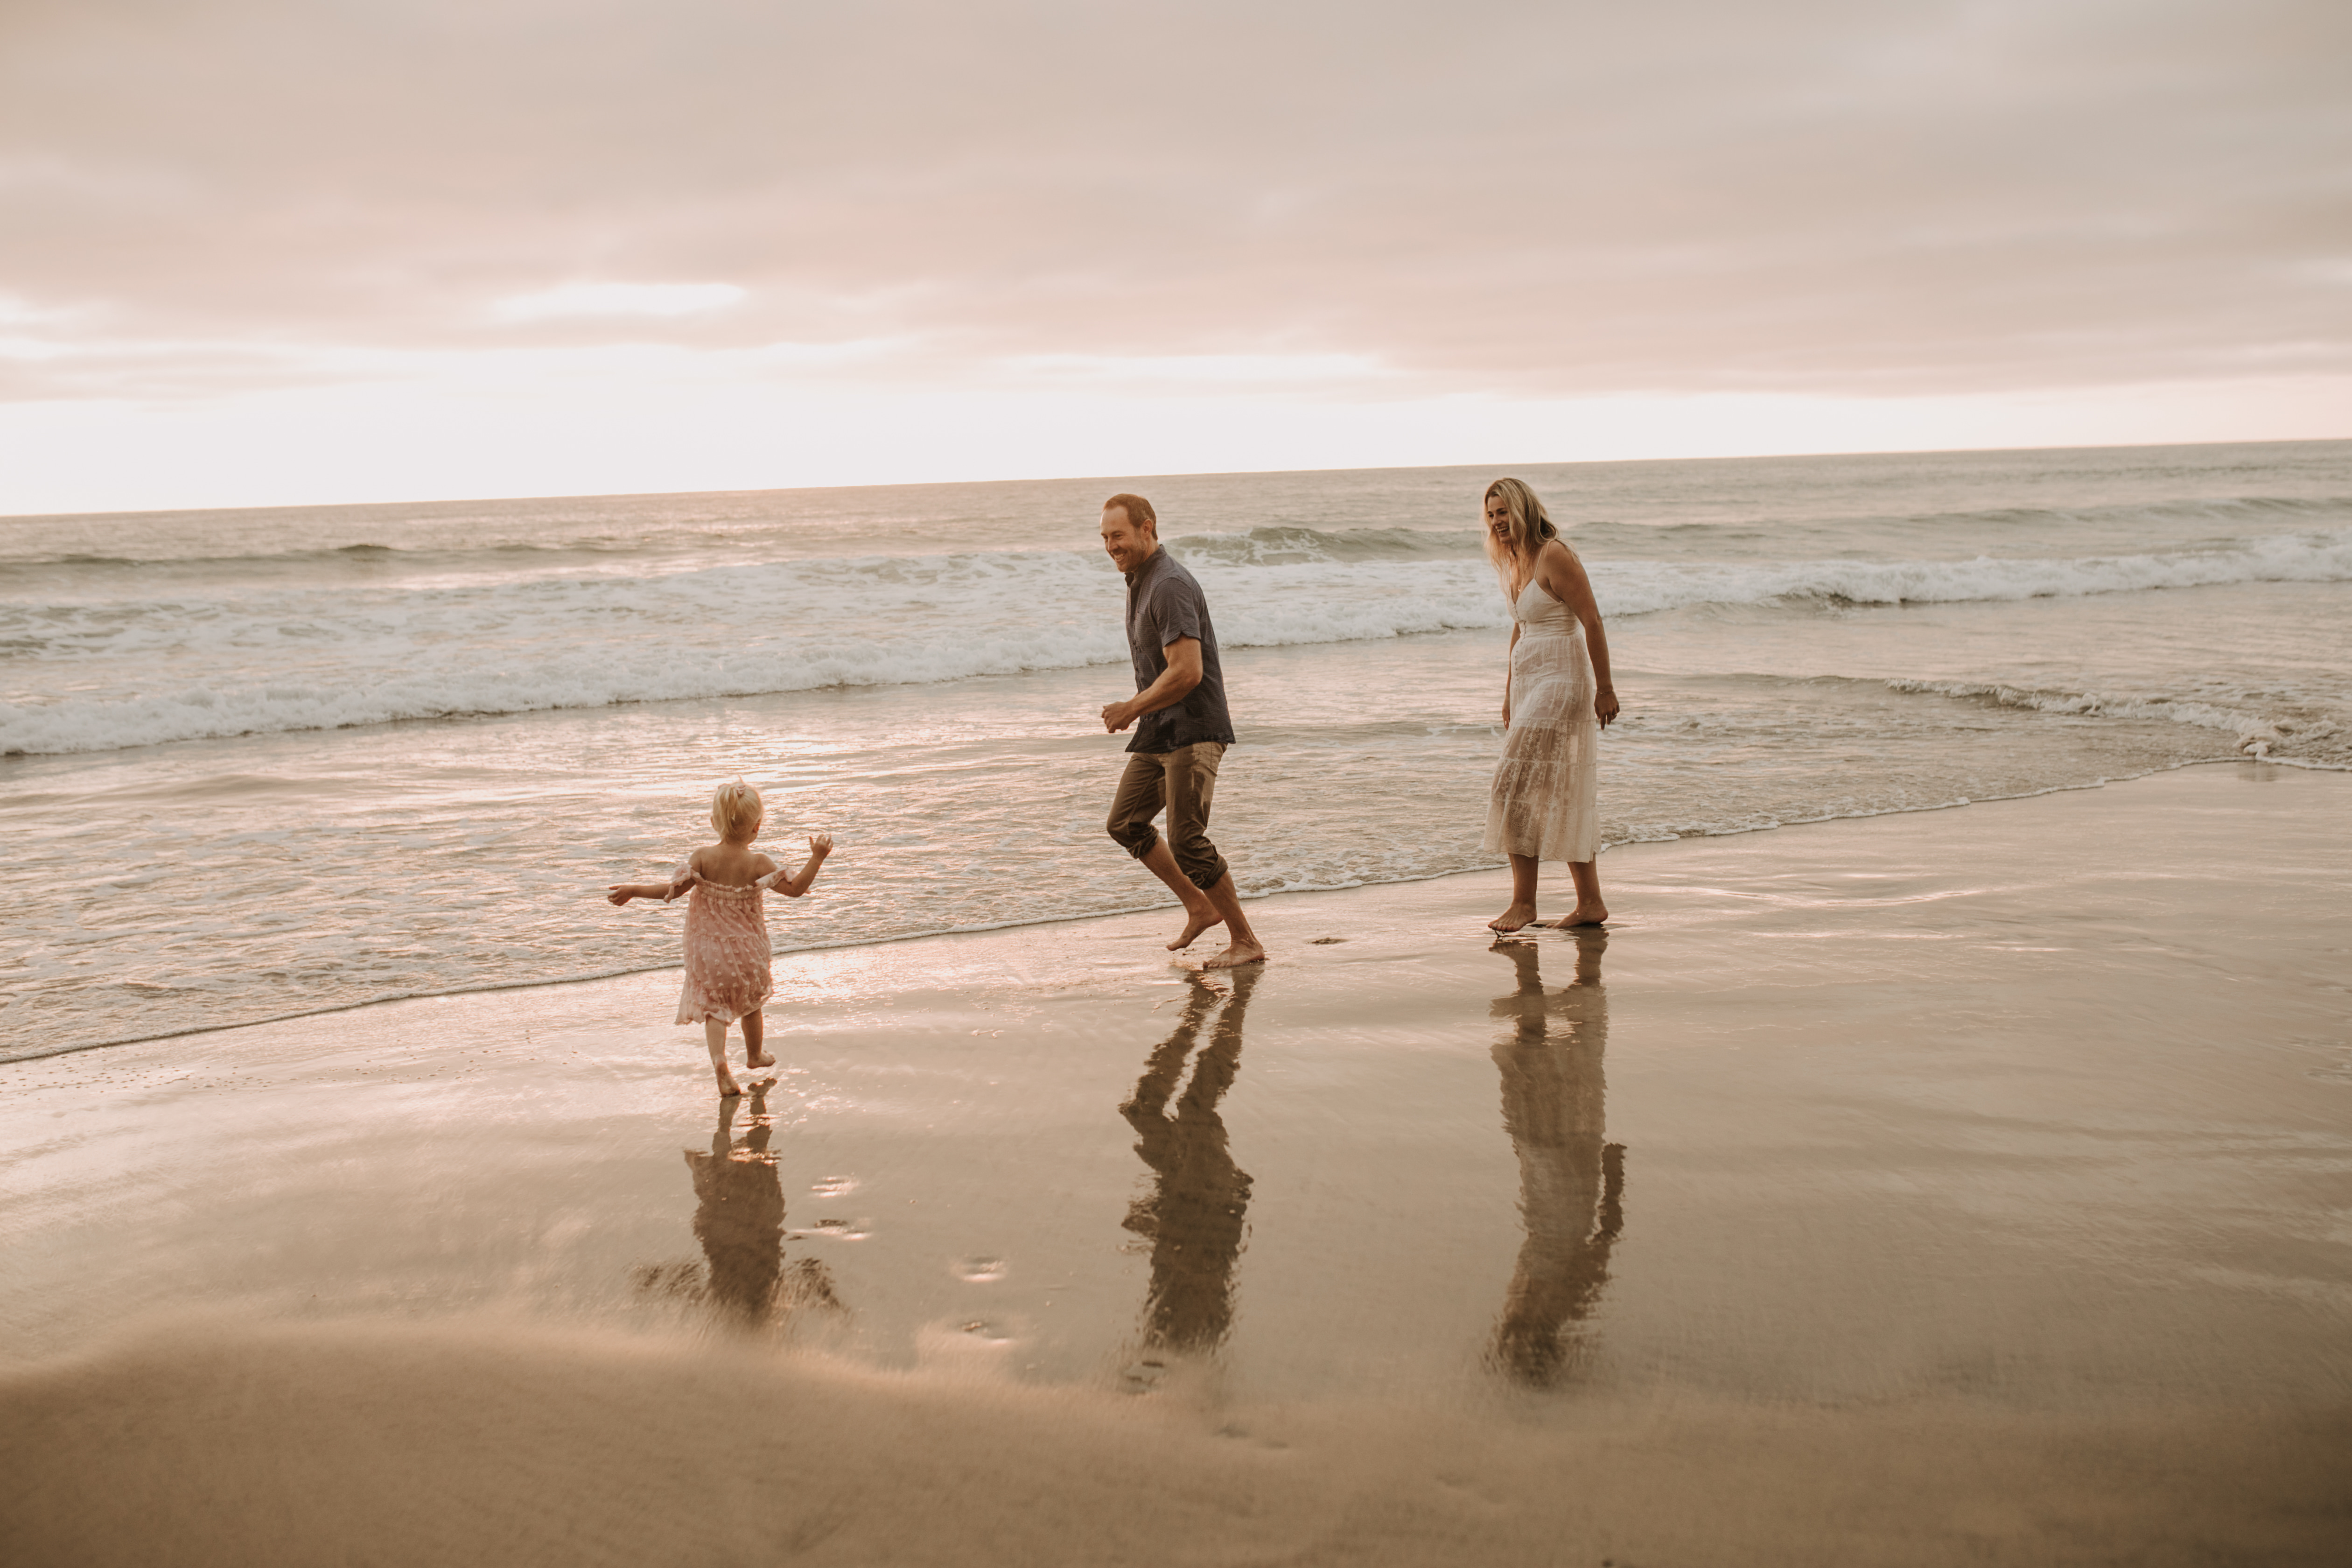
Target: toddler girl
x,y
726,951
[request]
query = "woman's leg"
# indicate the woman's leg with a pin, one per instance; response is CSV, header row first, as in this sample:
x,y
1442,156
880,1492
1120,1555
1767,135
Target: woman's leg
x,y
714,1033
1590,910
1523,896
753,1056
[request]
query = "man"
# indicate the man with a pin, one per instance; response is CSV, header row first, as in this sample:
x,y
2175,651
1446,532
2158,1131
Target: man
x,y
1181,731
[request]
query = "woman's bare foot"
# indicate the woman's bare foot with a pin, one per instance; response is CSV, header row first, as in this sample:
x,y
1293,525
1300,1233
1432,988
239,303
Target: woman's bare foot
x,y
1236,955
1196,920
1584,915
760,1060
1512,919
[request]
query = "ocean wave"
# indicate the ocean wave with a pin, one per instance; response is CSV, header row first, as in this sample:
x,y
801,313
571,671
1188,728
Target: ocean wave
x,y
2253,733
1638,587
270,658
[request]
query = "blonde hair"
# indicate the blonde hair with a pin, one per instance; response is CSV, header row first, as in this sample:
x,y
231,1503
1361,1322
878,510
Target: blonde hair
x,y
1530,530
735,810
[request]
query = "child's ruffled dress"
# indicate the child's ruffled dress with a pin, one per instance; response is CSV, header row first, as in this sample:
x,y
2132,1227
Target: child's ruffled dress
x,y
727,952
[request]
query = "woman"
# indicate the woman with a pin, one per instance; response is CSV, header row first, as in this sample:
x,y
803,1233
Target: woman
x,y
1557,702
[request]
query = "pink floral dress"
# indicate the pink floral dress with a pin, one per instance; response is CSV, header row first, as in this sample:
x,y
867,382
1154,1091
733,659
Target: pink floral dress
x,y
726,951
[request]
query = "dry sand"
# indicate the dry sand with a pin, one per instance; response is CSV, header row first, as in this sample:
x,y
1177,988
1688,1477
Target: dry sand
x,y
1957,1187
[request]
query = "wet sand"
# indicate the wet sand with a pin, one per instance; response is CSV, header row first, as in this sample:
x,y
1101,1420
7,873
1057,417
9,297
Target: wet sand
x,y
1961,1186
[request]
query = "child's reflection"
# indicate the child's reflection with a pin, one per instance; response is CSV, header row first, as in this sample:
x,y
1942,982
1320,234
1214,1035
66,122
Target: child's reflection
x,y
738,1212
1193,1213
1570,1183
738,1218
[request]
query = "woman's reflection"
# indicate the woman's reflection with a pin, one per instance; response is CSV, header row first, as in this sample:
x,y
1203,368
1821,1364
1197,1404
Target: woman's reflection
x,y
738,1218
1193,1215
1570,1183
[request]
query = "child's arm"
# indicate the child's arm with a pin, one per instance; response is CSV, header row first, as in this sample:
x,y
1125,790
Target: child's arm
x,y
622,892
793,886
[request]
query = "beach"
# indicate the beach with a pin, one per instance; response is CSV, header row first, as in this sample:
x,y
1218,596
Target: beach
x,y
1952,1185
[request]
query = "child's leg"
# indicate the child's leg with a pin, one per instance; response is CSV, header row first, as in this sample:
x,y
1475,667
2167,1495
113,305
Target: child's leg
x,y
753,1056
714,1032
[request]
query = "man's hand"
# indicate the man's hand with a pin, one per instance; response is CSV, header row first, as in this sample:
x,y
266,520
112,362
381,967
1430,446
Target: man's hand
x,y
1118,716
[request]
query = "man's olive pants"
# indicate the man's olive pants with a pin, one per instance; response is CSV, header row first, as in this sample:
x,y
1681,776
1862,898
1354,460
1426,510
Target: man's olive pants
x,y
1184,782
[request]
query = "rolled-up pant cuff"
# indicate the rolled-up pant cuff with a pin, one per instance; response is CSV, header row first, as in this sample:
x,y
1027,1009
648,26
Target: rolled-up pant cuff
x,y
1183,783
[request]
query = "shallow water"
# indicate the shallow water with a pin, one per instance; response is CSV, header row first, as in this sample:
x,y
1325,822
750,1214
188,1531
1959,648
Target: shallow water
x,y
264,763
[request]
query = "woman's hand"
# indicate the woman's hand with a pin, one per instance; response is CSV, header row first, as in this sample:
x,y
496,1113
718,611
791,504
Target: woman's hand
x,y
1506,712
1604,705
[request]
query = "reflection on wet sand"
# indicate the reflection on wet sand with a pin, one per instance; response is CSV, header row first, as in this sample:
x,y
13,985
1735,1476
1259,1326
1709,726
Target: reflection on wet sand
x,y
1194,1212
738,1218
1570,1183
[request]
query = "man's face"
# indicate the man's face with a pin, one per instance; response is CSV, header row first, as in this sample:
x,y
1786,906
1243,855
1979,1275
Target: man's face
x,y
1128,546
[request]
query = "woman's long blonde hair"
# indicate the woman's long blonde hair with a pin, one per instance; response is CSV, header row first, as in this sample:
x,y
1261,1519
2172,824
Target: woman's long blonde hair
x,y
1531,529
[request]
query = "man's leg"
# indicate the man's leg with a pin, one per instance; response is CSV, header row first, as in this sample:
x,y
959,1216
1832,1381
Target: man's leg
x,y
1143,790
1192,792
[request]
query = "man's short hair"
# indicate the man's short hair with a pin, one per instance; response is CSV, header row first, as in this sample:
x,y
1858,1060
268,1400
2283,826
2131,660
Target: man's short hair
x,y
1139,511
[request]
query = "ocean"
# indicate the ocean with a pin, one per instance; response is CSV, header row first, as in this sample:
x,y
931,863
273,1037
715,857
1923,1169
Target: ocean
x,y
265,763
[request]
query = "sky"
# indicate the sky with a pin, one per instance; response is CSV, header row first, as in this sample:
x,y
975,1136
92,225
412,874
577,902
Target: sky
x,y
298,251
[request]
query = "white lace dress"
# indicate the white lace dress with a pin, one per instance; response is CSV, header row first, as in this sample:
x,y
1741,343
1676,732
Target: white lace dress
x,y
1545,800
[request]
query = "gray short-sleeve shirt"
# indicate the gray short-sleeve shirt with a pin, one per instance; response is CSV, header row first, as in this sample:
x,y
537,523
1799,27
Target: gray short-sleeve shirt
x,y
1164,603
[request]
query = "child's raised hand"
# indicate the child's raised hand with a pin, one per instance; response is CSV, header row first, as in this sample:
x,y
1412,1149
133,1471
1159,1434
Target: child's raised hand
x,y
820,844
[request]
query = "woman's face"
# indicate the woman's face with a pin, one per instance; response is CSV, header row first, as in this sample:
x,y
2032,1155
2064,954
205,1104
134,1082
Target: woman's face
x,y
1498,517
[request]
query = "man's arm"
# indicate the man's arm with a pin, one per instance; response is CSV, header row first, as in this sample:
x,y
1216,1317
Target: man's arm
x,y
1175,684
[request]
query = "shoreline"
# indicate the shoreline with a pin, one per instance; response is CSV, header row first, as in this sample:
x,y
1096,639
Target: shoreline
x,y
1954,1187
1051,922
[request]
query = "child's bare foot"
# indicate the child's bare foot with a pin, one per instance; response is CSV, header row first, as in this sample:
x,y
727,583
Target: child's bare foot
x,y
1512,919
1196,920
761,1061
728,1088
1591,915
1236,955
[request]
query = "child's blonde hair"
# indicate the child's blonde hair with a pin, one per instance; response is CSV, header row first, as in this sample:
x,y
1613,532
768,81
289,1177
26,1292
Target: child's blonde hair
x,y
735,810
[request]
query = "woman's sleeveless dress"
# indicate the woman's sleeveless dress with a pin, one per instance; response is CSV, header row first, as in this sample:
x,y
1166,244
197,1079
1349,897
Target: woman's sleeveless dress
x,y
1546,801
727,952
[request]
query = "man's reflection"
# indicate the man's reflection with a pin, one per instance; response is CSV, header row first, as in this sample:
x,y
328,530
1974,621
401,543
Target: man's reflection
x,y
1193,1215
738,1218
1570,1183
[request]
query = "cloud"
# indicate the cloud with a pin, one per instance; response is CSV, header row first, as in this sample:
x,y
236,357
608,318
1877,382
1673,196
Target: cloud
x,y
656,300
1817,199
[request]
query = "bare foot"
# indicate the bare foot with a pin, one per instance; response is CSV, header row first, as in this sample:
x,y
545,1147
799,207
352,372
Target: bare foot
x,y
1512,919
763,1060
1236,955
728,1088
1196,920
1584,915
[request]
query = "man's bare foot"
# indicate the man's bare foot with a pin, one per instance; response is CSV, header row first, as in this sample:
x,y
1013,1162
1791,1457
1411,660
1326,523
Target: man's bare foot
x,y
1512,919
1236,955
728,1088
1582,915
763,1060
1196,920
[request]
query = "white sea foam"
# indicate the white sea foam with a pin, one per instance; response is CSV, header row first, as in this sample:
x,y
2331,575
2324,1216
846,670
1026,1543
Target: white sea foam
x,y
2251,729
98,676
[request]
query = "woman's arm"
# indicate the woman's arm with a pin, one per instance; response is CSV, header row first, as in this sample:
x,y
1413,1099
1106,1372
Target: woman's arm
x,y
793,886
1506,673
1563,576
